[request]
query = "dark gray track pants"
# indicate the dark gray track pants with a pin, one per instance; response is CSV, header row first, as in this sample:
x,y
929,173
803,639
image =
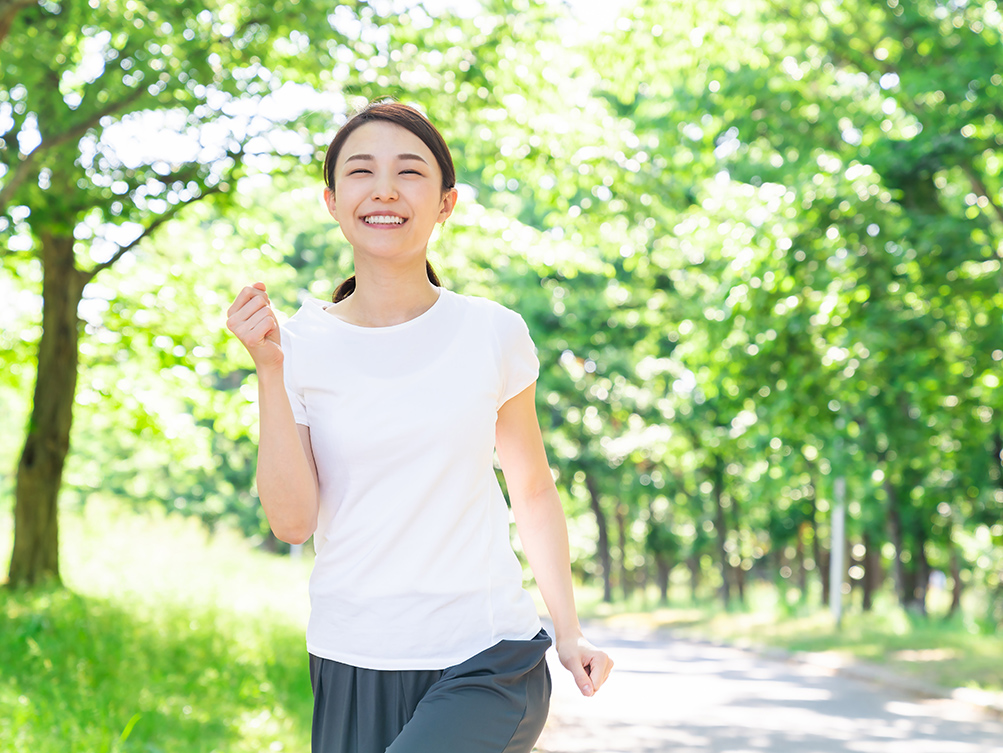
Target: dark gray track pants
x,y
495,702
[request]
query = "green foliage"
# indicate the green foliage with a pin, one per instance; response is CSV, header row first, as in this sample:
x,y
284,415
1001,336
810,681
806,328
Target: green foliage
x,y
146,652
83,674
757,245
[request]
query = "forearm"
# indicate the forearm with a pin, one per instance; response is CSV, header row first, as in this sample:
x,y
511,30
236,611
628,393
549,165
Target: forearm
x,y
543,531
287,484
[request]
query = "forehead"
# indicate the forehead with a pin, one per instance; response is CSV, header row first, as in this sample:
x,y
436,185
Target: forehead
x,y
384,140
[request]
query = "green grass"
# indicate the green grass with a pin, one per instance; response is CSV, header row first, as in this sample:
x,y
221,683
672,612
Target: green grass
x,y
166,640
951,654
162,641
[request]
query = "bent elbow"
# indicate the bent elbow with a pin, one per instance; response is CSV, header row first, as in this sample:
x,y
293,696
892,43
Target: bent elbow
x,y
292,534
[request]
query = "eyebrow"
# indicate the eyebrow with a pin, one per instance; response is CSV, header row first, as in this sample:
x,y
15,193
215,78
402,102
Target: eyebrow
x,y
371,158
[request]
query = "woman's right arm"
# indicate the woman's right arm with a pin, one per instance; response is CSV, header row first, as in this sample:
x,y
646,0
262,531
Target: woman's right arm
x,y
287,474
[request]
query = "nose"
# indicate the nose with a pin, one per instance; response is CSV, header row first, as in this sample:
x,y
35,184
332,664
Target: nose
x,y
385,187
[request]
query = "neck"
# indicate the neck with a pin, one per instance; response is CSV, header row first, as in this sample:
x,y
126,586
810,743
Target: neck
x,y
387,295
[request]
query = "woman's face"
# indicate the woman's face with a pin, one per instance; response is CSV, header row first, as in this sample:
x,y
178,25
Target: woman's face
x,y
388,191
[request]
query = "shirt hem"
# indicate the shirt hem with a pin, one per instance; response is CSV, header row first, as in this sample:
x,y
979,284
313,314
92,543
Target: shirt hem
x,y
413,665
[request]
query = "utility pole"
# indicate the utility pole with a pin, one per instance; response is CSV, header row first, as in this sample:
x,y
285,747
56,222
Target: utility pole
x,y
838,547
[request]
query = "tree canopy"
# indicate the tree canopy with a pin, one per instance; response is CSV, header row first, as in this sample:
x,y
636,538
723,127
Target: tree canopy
x,y
758,245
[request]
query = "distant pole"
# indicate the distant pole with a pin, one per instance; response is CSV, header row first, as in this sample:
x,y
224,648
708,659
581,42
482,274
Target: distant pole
x,y
838,546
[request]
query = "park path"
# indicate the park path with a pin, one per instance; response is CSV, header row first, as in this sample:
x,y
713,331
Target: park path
x,y
683,696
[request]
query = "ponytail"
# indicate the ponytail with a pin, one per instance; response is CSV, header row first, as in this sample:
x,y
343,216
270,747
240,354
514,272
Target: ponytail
x,y
348,286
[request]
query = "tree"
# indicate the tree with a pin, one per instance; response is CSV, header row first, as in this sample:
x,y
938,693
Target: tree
x,y
78,81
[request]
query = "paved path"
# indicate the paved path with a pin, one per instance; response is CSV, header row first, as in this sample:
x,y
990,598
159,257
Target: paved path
x,y
690,697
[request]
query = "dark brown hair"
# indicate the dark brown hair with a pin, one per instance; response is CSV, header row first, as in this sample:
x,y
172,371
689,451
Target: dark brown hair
x,y
410,119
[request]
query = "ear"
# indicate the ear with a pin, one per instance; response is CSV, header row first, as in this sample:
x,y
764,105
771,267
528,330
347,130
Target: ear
x,y
448,204
330,201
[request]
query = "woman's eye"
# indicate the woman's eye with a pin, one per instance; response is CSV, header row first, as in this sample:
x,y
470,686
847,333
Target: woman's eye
x,y
410,172
358,171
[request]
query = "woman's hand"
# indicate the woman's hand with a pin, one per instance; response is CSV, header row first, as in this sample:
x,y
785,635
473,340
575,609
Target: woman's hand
x,y
252,320
588,664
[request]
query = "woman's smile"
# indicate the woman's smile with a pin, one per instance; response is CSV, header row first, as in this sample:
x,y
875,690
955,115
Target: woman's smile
x,y
384,220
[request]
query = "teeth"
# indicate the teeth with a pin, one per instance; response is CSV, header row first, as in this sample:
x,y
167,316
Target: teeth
x,y
381,219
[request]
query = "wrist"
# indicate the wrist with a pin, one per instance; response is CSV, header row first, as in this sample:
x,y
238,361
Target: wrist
x,y
269,372
568,632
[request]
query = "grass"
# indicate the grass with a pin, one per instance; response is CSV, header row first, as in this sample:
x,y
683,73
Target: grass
x,y
162,642
167,641
951,654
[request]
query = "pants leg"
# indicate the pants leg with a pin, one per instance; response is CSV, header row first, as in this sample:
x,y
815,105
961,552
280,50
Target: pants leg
x,y
495,702
362,710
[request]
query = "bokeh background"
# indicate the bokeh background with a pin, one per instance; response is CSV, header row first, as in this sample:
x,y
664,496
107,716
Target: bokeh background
x,y
758,245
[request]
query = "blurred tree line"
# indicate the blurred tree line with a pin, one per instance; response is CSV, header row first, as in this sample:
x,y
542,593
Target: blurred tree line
x,y
758,245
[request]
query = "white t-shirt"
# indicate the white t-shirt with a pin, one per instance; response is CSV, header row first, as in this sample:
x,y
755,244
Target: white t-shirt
x,y
414,568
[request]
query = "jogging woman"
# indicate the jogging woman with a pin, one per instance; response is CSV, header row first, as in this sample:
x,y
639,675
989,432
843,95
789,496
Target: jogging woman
x,y
380,415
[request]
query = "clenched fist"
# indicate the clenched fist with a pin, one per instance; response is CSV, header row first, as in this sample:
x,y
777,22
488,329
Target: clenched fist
x,y
252,320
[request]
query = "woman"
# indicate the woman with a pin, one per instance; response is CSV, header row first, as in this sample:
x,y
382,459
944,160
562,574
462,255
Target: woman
x,y
379,418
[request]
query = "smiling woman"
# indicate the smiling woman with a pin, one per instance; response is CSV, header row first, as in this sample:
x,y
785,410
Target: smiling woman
x,y
380,416
432,152
384,177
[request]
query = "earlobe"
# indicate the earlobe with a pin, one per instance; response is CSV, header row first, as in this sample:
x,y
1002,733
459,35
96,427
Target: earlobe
x,y
329,200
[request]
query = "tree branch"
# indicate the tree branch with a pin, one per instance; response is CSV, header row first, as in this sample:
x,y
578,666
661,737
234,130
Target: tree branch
x,y
148,230
980,189
24,166
14,179
78,131
8,11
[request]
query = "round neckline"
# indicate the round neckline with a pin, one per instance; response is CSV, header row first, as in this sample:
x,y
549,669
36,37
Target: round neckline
x,y
323,309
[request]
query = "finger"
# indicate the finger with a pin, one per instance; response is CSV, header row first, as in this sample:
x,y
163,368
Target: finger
x,y
599,670
259,333
597,665
244,314
260,325
582,678
607,668
261,286
242,326
247,293
243,296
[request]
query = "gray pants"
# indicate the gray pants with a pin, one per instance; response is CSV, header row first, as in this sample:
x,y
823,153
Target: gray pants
x,y
495,702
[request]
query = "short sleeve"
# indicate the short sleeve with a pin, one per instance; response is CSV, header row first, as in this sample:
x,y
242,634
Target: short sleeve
x,y
296,399
520,366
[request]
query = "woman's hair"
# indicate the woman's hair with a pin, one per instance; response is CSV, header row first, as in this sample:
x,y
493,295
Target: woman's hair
x,y
410,119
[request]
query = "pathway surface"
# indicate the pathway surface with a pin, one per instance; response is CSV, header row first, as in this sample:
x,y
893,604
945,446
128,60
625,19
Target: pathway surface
x,y
690,697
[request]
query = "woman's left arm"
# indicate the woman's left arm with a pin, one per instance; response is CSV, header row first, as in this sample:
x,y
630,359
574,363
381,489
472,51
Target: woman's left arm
x,y
539,518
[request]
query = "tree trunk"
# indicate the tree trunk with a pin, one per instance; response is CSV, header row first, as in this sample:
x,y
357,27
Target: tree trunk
x,y
802,570
721,524
39,473
956,585
998,457
621,531
736,526
603,543
921,584
872,571
693,563
663,570
823,571
817,552
895,531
